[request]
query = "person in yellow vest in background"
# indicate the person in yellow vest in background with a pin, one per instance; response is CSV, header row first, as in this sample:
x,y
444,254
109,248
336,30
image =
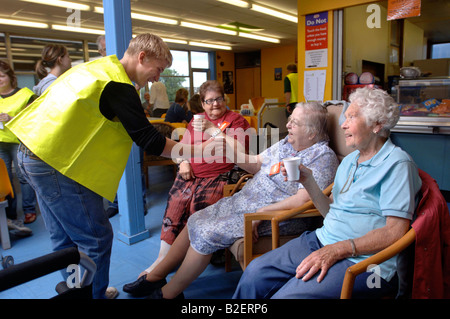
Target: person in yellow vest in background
x,y
76,139
291,88
12,101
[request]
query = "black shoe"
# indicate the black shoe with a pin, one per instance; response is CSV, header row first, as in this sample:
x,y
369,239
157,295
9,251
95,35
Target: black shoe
x,y
142,287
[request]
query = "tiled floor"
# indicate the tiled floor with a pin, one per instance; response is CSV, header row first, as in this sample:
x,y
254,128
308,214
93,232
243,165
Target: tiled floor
x,y
127,261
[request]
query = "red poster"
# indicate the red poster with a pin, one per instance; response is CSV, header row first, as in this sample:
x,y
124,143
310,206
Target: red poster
x,y
316,30
399,9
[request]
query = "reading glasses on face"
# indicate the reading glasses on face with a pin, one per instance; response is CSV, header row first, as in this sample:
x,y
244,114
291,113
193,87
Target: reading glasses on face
x,y
220,99
292,122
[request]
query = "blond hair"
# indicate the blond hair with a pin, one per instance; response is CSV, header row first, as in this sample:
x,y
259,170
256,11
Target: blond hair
x,y
152,45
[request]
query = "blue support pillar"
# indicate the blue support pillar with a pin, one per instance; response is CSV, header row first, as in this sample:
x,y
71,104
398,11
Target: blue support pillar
x,y
118,33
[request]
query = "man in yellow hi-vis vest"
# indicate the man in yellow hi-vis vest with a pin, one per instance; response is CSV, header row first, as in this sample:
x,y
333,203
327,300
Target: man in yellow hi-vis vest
x,y
291,88
76,139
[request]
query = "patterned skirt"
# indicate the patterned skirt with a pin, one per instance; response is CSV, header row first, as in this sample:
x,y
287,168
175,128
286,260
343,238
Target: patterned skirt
x,y
186,198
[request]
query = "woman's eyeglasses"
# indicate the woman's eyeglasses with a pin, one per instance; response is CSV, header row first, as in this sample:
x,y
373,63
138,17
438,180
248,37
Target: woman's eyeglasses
x,y
292,122
220,99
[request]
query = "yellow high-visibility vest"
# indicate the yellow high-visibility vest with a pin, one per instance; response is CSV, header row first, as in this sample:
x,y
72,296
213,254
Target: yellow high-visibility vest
x,y
65,128
293,77
13,105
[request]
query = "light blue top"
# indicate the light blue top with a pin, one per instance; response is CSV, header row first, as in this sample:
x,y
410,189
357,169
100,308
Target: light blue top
x,y
44,84
365,194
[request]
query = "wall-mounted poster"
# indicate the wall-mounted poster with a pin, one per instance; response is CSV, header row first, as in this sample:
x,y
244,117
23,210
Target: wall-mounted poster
x,y
316,40
228,82
278,74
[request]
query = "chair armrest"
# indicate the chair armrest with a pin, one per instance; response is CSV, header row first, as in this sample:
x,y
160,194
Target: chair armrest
x,y
230,189
276,216
240,182
306,210
378,258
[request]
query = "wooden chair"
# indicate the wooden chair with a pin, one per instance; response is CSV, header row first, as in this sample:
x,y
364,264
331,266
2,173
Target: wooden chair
x,y
431,216
5,191
244,250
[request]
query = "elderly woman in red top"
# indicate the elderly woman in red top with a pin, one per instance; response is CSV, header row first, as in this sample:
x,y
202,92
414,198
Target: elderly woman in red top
x,y
199,182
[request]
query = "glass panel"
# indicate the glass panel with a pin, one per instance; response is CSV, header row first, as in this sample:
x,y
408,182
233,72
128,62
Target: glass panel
x,y
199,60
199,78
2,46
440,51
27,51
173,84
180,64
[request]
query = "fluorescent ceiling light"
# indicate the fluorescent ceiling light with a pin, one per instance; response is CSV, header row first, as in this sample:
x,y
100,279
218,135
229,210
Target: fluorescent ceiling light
x,y
76,29
237,3
22,23
144,17
175,41
210,45
149,18
274,13
206,28
14,49
258,37
38,55
23,61
62,4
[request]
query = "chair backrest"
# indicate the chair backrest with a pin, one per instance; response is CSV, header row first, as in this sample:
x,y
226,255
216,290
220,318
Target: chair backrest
x,y
5,183
336,133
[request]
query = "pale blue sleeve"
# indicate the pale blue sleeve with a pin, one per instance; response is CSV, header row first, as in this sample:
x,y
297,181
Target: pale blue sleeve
x,y
398,190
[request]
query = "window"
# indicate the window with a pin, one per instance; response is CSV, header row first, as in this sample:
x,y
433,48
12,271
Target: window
x,y
199,60
189,70
440,51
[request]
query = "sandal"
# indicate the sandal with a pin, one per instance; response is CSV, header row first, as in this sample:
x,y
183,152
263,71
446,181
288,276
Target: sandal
x,y
29,218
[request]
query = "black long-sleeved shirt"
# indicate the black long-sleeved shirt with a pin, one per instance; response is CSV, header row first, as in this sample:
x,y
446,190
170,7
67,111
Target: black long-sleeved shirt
x,y
120,100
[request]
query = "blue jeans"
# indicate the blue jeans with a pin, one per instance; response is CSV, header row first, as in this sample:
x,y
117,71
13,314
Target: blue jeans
x,y
8,152
73,215
273,276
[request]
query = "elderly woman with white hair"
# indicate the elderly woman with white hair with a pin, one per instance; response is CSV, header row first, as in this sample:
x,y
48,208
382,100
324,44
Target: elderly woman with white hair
x,y
371,206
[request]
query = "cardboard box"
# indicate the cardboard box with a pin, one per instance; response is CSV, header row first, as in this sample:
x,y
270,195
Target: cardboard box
x,y
437,67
